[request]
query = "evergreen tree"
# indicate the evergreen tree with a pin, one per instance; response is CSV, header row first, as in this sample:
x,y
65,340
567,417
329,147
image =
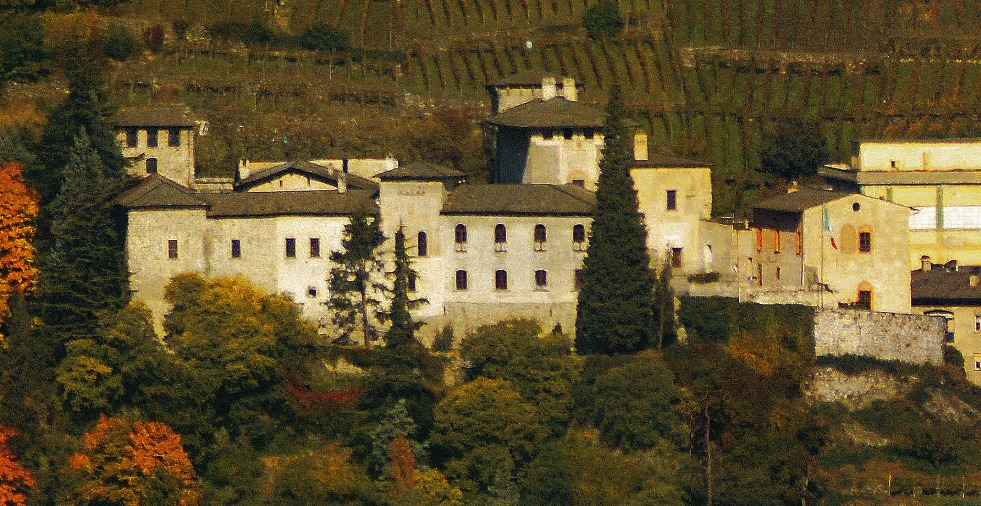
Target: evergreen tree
x,y
402,330
664,328
615,303
352,281
83,264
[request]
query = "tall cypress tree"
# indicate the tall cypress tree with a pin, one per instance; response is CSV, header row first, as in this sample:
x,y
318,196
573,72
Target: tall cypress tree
x,y
353,282
616,300
402,330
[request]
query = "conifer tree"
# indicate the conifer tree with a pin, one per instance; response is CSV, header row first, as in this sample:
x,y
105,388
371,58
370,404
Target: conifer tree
x,y
83,265
402,330
353,279
664,327
615,303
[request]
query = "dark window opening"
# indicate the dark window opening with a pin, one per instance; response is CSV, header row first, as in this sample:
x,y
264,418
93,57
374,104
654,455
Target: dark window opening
x,y
174,137
501,280
541,279
311,291
151,165
236,248
500,237
579,182
290,247
314,247
672,200
412,281
540,237
865,242
578,238
423,244
676,257
547,135
131,137
172,249
461,237
588,133
461,280
759,274
151,137
567,133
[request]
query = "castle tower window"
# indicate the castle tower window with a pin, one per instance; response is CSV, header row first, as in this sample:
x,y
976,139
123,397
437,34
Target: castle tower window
x,y
311,291
460,236
151,137
541,279
501,280
173,137
672,197
864,299
412,281
151,165
578,237
676,258
423,244
540,237
314,247
290,247
131,138
172,249
500,238
461,280
236,248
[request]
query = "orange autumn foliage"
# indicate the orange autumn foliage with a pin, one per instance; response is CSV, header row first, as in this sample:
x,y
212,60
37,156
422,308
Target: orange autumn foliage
x,y
18,207
14,479
123,460
404,464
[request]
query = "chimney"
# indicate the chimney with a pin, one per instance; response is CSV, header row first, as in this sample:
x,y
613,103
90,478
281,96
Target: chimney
x,y
342,183
792,188
951,266
640,146
569,89
548,88
243,168
925,263
973,281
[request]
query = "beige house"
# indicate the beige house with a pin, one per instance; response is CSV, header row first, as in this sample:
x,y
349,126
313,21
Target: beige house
x,y
826,249
939,179
954,293
158,140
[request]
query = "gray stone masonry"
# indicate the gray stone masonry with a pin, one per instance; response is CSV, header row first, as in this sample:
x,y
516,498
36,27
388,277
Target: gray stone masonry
x,y
915,339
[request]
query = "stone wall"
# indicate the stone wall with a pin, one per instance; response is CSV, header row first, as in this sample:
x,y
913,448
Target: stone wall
x,y
856,391
887,336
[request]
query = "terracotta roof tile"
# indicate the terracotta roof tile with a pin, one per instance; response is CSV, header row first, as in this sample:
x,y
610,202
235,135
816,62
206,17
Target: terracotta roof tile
x,y
520,199
311,169
156,191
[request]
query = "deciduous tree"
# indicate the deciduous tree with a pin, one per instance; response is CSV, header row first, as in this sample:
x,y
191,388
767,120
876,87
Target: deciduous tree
x,y
15,481
793,149
18,207
614,312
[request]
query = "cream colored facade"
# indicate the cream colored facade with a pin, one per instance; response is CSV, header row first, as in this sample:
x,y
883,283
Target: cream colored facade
x,y
939,179
159,140
827,250
954,293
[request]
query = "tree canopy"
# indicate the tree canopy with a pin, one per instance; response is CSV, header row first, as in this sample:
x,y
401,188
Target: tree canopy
x,y
17,211
793,149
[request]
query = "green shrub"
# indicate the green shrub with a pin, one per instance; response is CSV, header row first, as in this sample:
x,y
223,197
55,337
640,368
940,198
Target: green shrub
x,y
120,43
444,340
603,18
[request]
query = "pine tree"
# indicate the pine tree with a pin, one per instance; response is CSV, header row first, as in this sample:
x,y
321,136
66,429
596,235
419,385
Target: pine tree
x,y
83,266
615,303
353,281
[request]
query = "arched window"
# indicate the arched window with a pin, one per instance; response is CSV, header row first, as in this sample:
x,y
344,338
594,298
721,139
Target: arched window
x,y
500,237
461,237
540,237
423,244
151,165
541,279
578,237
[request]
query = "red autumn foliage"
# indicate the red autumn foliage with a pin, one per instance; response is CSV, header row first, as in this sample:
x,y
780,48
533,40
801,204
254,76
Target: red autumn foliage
x,y
313,403
14,479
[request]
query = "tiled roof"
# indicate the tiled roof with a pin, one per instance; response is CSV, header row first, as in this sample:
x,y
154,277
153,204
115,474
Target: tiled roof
x,y
526,78
662,161
800,200
154,116
300,203
420,171
556,113
520,199
940,286
155,192
310,169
